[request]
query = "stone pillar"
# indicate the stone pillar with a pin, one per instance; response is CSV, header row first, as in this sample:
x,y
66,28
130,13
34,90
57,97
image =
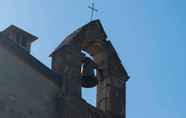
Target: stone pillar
x,y
67,62
111,96
111,86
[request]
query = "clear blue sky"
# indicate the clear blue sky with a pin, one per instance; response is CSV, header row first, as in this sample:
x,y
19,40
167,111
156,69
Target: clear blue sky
x,y
149,35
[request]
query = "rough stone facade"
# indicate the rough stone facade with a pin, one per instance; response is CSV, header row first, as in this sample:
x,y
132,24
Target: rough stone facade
x,y
25,92
31,90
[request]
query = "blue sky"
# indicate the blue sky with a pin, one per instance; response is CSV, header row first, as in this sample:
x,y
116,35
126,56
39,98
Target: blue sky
x,y
149,35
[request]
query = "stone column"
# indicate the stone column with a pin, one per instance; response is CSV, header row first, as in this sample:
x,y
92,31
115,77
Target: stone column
x,y
67,62
111,87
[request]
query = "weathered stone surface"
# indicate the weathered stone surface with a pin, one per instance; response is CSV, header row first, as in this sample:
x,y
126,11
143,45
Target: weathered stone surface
x,y
69,65
92,39
25,92
28,92
20,37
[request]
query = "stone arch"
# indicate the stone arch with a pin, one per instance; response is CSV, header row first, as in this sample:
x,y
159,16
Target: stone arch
x,y
92,39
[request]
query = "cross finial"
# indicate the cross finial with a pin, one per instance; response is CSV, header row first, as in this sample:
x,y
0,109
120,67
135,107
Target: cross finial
x,y
93,10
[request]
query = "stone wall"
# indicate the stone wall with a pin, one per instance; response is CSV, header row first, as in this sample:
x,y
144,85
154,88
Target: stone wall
x,y
24,92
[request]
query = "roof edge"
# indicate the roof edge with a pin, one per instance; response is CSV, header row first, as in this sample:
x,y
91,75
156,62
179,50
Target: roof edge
x,y
13,27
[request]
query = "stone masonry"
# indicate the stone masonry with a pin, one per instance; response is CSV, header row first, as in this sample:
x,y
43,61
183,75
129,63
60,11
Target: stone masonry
x,y
29,89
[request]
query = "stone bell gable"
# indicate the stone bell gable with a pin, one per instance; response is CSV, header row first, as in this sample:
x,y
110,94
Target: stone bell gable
x,y
112,78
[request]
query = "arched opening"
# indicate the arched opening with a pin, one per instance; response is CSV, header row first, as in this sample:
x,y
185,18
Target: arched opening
x,y
96,51
89,94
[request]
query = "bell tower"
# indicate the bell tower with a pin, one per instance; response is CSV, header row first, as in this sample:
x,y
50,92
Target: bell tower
x,y
110,77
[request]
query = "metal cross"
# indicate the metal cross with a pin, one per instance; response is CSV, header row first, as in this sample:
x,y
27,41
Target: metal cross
x,y
93,9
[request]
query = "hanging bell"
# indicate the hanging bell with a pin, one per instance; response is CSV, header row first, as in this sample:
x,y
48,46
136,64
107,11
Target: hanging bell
x,y
88,78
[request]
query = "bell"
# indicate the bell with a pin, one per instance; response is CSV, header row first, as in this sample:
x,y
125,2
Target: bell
x,y
88,79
